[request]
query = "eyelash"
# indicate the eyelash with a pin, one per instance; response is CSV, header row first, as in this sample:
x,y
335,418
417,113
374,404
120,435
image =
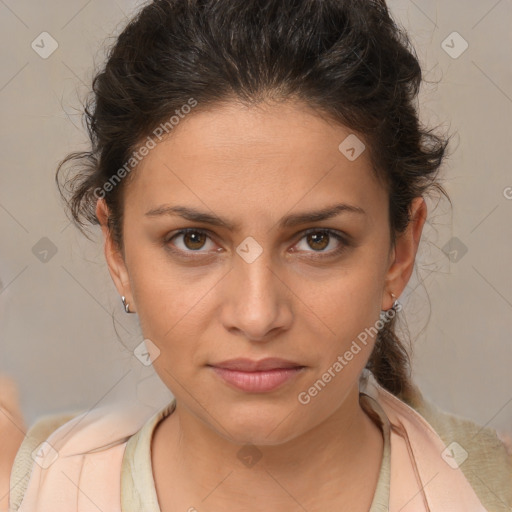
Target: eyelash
x,y
317,254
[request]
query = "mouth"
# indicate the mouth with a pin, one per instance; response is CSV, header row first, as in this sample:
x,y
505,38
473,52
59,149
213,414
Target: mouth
x,y
249,365
257,376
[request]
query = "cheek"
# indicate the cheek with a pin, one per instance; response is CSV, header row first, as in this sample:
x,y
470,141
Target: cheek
x,y
172,304
156,285
343,324
347,303
168,309
166,315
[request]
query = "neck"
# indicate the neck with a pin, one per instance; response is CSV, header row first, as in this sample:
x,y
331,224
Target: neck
x,y
343,452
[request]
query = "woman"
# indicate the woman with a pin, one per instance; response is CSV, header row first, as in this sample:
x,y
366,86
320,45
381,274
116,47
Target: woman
x,y
258,171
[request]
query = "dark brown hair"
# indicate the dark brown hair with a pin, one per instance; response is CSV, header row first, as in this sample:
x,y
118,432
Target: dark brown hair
x,y
347,59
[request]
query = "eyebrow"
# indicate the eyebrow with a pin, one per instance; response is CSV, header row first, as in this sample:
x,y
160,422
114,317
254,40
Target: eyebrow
x,y
286,222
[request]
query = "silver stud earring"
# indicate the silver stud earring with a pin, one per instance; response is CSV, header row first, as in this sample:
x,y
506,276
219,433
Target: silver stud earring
x,y
125,304
386,314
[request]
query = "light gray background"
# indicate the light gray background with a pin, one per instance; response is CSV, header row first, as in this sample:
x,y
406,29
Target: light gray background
x,y
58,319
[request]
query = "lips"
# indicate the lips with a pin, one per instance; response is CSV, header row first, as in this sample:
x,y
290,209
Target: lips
x,y
262,376
249,365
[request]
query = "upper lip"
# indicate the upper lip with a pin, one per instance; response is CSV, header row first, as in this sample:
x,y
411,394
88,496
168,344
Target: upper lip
x,y
249,365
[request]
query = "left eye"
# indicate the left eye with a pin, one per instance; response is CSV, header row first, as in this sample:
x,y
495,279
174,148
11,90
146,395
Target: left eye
x,y
317,239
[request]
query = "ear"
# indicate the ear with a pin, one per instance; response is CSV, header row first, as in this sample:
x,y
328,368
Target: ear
x,y
404,253
115,260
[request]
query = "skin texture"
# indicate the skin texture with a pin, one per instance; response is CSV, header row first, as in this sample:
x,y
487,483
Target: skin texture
x,y
252,166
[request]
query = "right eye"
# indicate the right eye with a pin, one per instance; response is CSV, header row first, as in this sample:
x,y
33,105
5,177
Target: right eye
x,y
192,240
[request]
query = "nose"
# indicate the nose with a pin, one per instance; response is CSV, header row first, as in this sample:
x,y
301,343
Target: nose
x,y
257,301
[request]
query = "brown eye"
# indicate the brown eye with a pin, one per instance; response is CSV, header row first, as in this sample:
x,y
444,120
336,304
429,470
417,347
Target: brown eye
x,y
192,240
318,240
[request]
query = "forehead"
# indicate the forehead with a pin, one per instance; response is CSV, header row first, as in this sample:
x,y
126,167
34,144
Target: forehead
x,y
270,154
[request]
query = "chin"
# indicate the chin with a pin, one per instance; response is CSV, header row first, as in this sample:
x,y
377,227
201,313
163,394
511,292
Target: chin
x,y
259,427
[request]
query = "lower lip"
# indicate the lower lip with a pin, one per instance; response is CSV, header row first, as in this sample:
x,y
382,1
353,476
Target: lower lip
x,y
257,382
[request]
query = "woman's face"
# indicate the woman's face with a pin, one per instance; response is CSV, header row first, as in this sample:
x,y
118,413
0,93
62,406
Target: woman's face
x,y
255,284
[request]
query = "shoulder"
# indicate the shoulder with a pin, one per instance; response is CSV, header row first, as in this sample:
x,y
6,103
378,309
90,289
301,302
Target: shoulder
x,y
70,439
40,430
486,456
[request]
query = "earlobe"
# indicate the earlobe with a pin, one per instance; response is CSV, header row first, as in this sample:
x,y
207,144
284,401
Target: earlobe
x,y
115,262
405,250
